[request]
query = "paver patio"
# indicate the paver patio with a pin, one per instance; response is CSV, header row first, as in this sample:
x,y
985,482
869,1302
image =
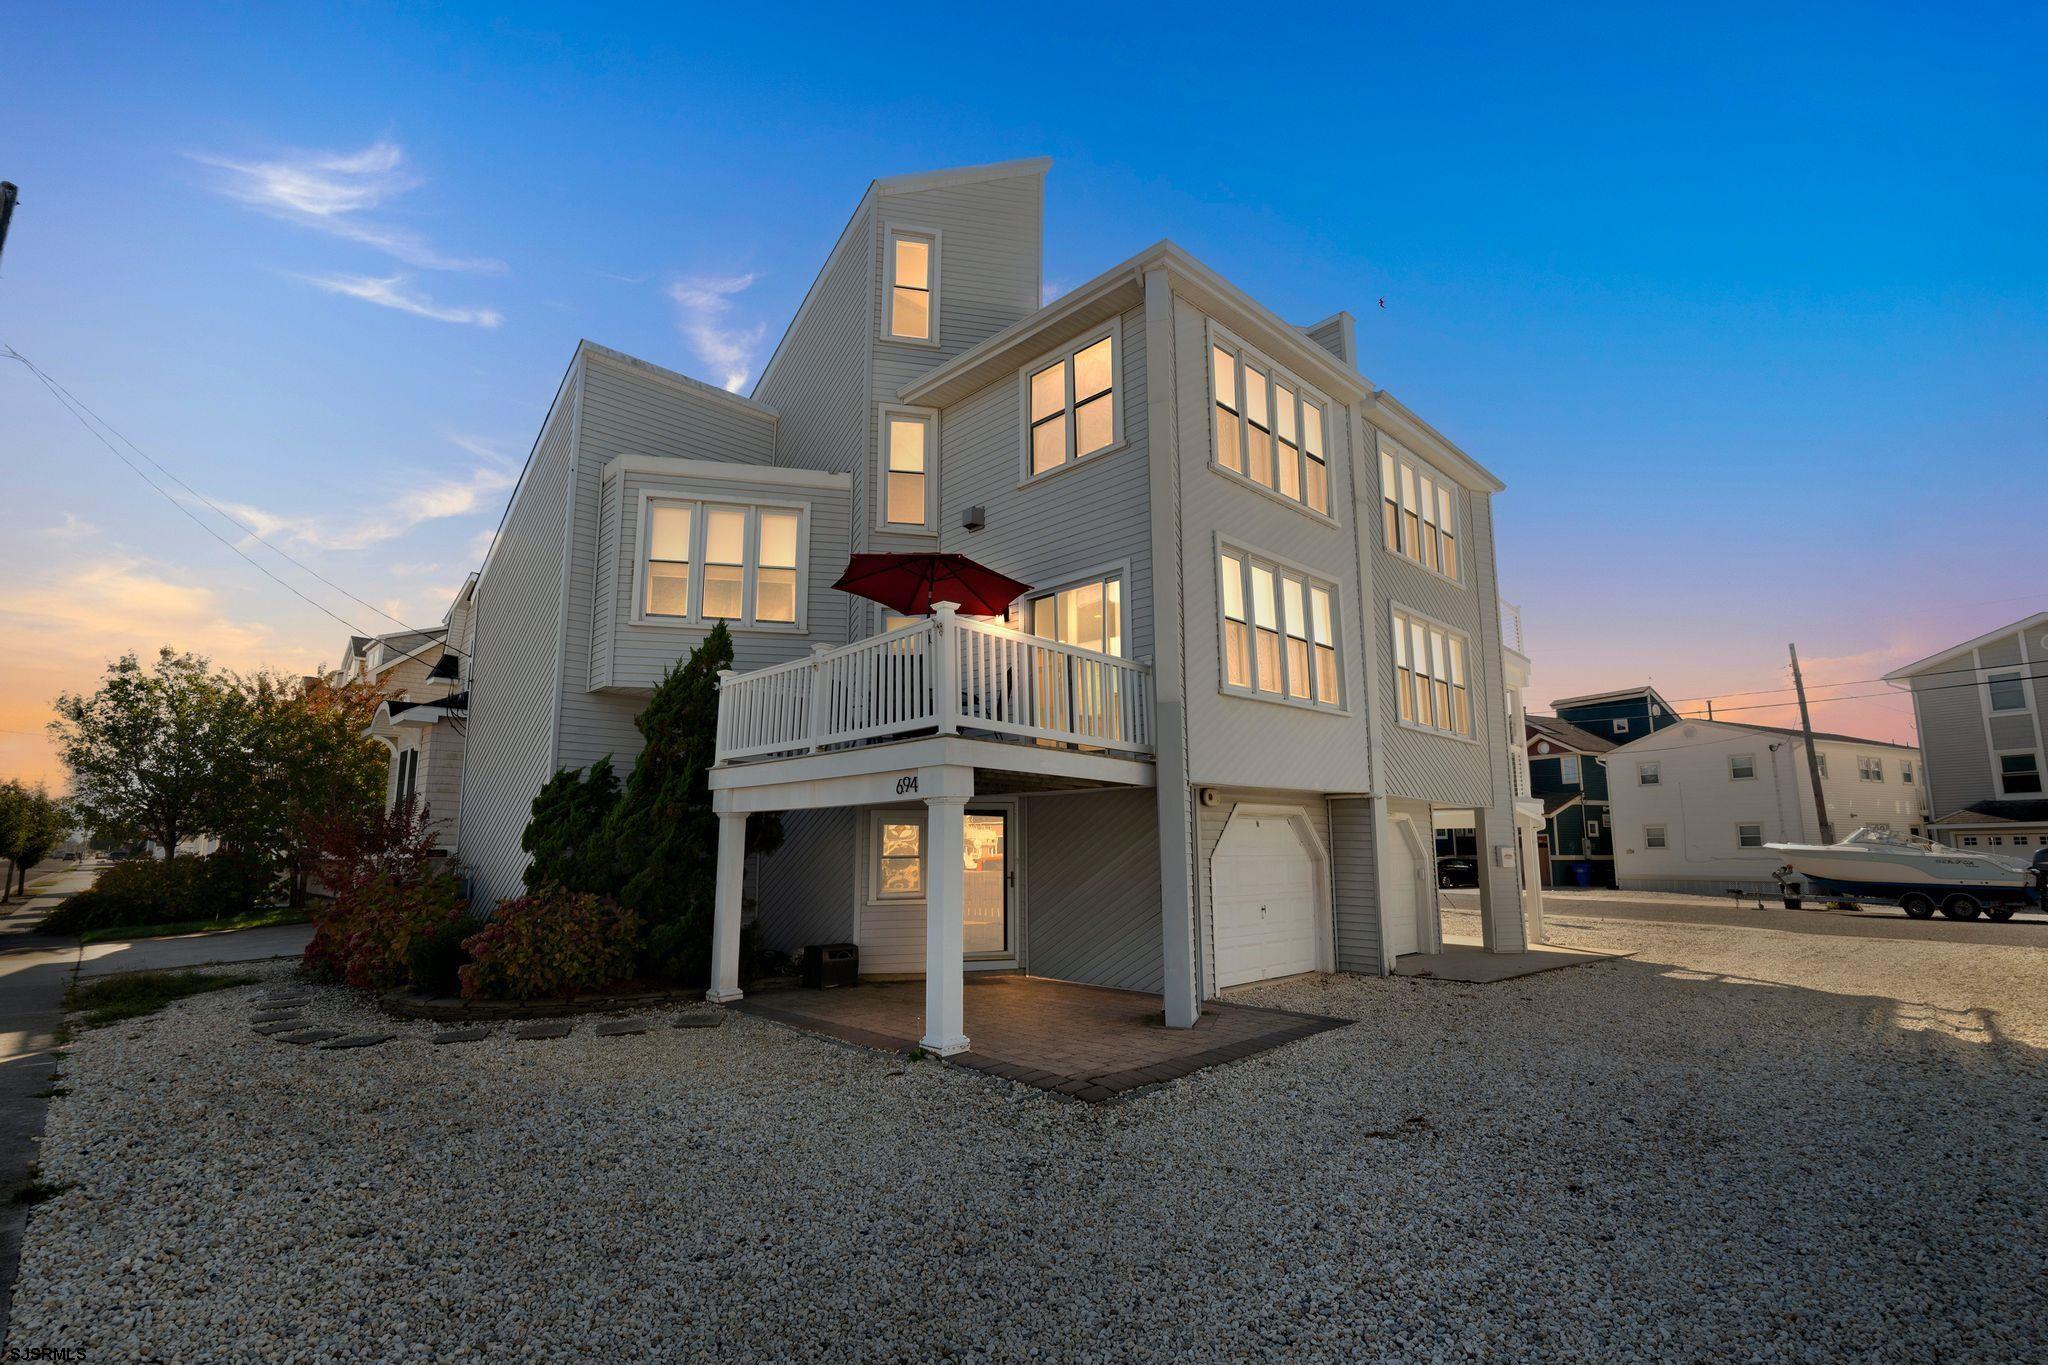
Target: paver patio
x,y
1085,1041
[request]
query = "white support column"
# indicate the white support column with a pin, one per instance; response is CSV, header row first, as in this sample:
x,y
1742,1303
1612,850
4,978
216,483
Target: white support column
x,y
1500,892
945,900
946,666
726,910
1526,828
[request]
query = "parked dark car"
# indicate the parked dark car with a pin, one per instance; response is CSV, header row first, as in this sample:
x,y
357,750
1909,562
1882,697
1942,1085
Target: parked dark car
x,y
1457,872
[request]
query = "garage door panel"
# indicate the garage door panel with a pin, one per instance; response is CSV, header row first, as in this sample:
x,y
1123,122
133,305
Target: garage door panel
x,y
1402,919
1264,897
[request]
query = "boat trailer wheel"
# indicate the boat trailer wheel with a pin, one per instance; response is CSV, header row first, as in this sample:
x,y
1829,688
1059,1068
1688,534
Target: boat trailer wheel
x,y
1917,906
1961,907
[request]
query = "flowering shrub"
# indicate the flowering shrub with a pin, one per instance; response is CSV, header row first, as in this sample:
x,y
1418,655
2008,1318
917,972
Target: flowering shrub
x,y
551,942
365,937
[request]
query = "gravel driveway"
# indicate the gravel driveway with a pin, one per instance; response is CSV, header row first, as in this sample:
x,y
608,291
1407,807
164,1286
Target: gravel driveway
x,y
1748,1141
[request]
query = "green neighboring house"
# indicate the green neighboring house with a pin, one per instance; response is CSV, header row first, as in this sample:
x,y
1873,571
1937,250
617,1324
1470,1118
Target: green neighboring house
x,y
1577,847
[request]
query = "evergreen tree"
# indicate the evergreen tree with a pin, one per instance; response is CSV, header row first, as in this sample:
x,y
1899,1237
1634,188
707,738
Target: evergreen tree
x,y
567,833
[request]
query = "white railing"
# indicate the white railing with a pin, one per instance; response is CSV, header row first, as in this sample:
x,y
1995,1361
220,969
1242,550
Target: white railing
x,y
946,674
1511,626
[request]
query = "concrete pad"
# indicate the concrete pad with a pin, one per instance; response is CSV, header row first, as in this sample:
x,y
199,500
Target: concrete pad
x,y
536,1032
318,1035
193,950
1474,966
462,1035
700,1019
619,1028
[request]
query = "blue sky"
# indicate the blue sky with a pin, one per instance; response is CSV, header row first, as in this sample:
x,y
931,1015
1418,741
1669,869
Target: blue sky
x,y
1746,307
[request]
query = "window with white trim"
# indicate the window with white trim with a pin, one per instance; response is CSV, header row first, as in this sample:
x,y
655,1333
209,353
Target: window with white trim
x,y
1741,767
1279,632
1072,404
707,561
1905,771
898,842
1418,511
1869,769
1822,759
912,297
1089,614
908,488
1969,841
1653,837
2008,691
1568,769
1269,428
1647,775
1593,828
1749,836
2020,774
1621,725
1429,675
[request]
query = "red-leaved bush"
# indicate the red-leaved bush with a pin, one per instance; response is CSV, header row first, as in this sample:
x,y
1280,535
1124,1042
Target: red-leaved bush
x,y
365,937
550,943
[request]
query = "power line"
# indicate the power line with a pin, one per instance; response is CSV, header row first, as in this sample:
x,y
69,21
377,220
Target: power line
x,y
79,410
1865,696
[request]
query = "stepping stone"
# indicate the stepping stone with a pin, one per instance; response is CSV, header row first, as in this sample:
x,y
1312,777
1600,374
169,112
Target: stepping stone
x,y
535,1032
318,1035
273,1016
619,1028
276,1026
463,1035
700,1019
298,999
359,1040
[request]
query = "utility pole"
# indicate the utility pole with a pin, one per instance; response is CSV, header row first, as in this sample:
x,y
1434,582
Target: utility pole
x,y
7,196
1820,800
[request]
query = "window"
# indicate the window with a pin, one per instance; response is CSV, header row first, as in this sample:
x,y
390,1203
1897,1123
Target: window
x,y
2021,774
1269,428
1822,760
1969,841
913,298
1430,661
749,562
1071,400
1089,614
2008,692
1568,769
1279,632
899,857
1869,769
1749,836
1592,829
1621,726
1653,836
1647,775
408,776
1905,771
907,484
1741,767
1418,511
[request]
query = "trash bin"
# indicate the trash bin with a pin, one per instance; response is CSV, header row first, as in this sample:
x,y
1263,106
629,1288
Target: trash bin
x,y
831,964
1792,899
1582,873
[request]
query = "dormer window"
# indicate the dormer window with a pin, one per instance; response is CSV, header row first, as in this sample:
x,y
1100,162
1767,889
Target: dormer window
x,y
913,293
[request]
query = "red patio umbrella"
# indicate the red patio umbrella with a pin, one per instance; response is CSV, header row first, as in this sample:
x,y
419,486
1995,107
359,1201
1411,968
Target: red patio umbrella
x,y
909,583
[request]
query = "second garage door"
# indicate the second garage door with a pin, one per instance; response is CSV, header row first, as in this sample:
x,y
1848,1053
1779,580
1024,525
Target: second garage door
x,y
1264,884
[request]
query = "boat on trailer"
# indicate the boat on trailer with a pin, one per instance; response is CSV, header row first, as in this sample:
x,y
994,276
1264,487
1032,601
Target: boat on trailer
x,y
1918,875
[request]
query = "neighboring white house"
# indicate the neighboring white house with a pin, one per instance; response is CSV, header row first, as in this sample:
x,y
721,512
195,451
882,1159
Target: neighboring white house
x,y
1261,648
424,677
1982,711
1693,805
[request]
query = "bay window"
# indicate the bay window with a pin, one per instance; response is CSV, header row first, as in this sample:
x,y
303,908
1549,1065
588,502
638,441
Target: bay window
x,y
1279,632
1269,429
1419,512
1071,403
706,561
1431,689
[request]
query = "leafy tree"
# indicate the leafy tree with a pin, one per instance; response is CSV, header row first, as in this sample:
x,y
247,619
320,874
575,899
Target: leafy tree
x,y
145,749
31,824
655,849
302,765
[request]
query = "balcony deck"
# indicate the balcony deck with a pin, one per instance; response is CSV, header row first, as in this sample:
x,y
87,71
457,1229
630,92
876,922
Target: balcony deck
x,y
945,675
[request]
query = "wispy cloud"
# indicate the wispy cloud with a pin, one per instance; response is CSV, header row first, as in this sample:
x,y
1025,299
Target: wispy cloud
x,y
412,505
1049,291
704,313
390,291
337,193
73,527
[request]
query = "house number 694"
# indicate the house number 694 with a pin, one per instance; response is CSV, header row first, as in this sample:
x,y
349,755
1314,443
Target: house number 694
x,y
906,785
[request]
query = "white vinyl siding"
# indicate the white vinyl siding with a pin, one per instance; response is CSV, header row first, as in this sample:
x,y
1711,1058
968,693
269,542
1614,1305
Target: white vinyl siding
x,y
1431,683
1279,631
1270,429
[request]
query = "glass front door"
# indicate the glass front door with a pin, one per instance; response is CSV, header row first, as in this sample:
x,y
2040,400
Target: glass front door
x,y
987,876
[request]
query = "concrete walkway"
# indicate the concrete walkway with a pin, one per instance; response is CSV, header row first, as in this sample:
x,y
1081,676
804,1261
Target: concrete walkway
x,y
1472,965
34,974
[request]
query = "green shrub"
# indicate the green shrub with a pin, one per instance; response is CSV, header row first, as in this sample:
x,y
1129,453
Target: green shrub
x,y
157,891
433,959
550,943
112,999
365,936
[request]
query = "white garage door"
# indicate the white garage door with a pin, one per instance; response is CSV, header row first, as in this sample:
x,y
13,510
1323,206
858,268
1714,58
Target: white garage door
x,y
1264,884
1397,882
